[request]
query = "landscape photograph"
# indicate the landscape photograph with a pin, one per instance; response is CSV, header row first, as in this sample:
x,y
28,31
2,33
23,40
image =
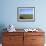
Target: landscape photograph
x,y
25,13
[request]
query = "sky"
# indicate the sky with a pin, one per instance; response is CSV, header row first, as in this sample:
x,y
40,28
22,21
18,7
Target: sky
x,y
25,10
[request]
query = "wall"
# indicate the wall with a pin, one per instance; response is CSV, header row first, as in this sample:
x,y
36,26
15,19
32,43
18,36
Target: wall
x,y
9,13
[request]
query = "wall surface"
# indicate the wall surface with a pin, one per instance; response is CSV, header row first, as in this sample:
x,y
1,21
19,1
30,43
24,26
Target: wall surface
x,y
9,13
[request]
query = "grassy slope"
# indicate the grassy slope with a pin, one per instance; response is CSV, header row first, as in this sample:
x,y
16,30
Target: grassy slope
x,y
26,16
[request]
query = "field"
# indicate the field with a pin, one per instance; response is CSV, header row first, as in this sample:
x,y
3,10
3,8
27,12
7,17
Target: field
x,y
26,16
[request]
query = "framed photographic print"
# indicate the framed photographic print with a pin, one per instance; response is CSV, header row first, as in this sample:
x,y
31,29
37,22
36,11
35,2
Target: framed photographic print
x,y
26,14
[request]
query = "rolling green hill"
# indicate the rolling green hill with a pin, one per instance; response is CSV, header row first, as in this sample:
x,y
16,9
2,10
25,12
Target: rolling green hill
x,y
26,16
